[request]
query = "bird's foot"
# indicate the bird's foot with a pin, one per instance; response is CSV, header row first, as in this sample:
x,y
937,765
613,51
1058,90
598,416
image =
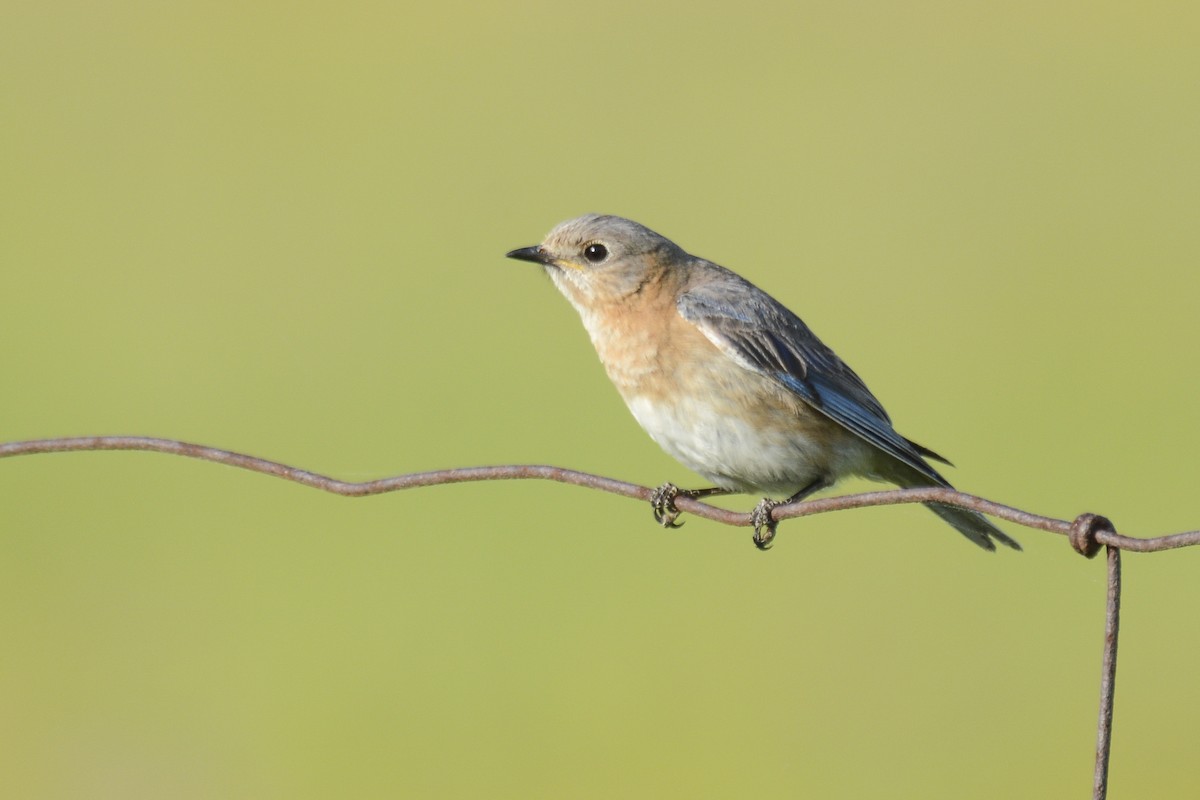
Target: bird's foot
x,y
662,502
764,524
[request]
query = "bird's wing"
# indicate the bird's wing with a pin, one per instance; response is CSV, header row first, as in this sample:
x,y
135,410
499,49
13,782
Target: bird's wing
x,y
759,333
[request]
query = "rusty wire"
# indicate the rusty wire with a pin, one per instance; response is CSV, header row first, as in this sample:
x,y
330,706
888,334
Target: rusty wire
x,y
1108,675
414,480
1086,533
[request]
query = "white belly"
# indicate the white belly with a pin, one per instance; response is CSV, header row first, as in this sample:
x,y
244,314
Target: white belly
x,y
771,452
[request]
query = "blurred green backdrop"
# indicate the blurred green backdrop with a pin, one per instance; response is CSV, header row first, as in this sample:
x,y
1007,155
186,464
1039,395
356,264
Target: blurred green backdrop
x,y
280,227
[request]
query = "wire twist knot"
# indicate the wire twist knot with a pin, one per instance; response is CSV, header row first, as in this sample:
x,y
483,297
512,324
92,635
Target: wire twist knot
x,y
1083,533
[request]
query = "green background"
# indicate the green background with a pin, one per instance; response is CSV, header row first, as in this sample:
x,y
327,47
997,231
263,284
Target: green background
x,y
279,228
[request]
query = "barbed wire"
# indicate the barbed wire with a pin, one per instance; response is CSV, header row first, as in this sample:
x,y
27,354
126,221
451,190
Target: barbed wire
x,y
1087,533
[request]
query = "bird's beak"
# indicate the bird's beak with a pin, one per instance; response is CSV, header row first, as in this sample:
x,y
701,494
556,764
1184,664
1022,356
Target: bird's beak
x,y
535,254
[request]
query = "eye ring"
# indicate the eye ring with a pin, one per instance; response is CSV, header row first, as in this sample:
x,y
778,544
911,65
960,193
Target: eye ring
x,y
595,252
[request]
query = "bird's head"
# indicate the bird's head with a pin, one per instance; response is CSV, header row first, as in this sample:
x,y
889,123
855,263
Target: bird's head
x,y
599,257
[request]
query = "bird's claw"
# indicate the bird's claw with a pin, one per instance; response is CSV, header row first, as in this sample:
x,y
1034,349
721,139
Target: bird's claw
x,y
764,524
662,502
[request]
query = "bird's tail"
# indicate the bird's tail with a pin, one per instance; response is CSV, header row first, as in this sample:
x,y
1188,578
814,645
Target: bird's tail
x,y
974,526
970,524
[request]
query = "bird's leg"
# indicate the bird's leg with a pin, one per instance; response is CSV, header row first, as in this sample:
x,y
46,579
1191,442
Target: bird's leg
x,y
765,525
663,502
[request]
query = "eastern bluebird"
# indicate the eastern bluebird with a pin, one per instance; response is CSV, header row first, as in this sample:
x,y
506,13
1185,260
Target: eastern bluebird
x,y
727,380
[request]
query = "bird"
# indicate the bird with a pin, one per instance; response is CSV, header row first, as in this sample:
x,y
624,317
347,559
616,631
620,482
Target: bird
x,y
727,380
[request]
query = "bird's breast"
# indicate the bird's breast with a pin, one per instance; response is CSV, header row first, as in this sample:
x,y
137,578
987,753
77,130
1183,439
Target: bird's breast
x,y
731,424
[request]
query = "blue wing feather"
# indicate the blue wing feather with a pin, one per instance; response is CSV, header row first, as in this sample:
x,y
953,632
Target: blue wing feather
x,y
769,338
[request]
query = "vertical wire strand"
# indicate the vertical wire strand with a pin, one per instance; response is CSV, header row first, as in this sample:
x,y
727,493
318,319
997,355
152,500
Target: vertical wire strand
x,y
1108,677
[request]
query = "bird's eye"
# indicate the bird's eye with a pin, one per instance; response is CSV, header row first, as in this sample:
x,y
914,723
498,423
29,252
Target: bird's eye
x,y
595,252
